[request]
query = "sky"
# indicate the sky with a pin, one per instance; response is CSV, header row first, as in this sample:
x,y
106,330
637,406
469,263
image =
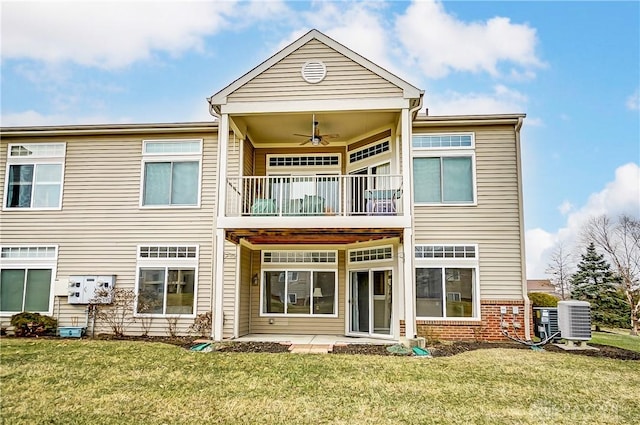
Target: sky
x,y
572,67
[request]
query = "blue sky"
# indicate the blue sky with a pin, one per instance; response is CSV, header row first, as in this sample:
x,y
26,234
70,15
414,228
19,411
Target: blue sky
x,y
572,67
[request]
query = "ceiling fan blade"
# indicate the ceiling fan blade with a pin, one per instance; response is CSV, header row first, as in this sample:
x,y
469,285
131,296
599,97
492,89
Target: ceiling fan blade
x,y
324,142
329,136
305,142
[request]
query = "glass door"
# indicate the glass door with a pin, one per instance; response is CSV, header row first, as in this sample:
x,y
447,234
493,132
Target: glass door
x,y
360,301
370,302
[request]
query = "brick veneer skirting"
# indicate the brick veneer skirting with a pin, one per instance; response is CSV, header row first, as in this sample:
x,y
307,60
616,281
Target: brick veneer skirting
x,y
488,328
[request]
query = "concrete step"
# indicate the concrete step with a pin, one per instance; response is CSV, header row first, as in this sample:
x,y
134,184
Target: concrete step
x,y
310,348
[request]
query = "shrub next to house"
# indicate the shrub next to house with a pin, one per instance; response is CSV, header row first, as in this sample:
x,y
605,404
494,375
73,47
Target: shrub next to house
x,y
33,324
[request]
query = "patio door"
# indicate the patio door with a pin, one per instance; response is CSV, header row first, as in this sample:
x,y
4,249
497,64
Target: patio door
x,y
370,302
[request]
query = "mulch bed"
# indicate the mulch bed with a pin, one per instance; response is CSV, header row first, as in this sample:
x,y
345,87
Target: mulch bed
x,y
436,350
453,348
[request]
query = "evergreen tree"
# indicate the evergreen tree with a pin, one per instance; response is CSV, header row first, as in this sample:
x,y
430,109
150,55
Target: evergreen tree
x,y
595,282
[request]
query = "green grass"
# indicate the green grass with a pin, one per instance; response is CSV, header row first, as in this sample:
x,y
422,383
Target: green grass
x,y
111,382
617,338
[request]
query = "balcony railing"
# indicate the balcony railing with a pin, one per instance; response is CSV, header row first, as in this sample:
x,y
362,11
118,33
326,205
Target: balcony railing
x,y
326,195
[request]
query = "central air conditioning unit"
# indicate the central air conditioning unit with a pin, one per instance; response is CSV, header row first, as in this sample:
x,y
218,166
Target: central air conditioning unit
x,y
574,320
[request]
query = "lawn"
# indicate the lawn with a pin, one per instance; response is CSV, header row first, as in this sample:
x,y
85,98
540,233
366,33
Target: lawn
x,y
109,382
617,338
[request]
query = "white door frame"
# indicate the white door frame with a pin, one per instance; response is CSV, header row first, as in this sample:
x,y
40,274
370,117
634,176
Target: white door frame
x,y
348,302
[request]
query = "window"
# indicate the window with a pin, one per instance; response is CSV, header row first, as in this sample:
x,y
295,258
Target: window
x,y
26,277
446,285
456,283
171,172
166,283
370,151
299,293
442,140
35,175
371,254
445,179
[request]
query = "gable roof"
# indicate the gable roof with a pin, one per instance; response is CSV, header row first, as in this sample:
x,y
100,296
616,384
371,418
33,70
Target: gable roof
x,y
409,91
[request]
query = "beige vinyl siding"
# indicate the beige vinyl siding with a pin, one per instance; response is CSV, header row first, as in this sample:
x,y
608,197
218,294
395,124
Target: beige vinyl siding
x,y
101,222
345,79
229,288
246,276
300,325
493,223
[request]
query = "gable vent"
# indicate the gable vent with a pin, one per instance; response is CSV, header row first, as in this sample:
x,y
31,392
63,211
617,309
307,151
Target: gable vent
x,y
314,71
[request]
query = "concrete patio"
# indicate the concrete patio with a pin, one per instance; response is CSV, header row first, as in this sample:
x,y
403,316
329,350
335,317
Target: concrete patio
x,y
312,344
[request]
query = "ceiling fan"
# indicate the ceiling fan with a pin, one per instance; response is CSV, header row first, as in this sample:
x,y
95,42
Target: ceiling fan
x,y
316,138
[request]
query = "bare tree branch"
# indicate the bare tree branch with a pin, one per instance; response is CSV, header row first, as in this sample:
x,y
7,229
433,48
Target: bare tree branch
x,y
559,267
620,242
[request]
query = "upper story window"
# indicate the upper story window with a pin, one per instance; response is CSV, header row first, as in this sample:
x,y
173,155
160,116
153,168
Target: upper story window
x,y
35,175
171,172
442,141
444,168
369,151
26,278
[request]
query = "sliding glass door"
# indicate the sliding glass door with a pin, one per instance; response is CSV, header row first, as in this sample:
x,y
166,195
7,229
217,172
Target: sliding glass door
x,y
370,301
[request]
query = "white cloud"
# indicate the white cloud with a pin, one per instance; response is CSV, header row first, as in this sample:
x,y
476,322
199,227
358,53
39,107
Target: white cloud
x,y
117,33
622,195
501,100
34,118
439,43
633,101
565,207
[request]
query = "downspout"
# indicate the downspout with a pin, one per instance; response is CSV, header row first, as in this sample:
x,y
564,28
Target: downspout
x,y
523,262
408,236
216,116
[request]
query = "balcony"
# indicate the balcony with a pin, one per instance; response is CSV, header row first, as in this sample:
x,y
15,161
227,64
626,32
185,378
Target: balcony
x,y
355,196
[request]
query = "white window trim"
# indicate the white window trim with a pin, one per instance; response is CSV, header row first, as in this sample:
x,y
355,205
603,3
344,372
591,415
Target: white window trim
x,y
376,261
373,158
304,170
26,160
298,268
444,263
446,148
170,157
167,263
448,154
18,263
272,264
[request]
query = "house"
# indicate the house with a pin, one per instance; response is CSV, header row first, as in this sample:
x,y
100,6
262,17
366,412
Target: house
x,y
318,201
541,285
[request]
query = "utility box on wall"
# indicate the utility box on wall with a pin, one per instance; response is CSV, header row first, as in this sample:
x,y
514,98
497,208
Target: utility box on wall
x,y
91,289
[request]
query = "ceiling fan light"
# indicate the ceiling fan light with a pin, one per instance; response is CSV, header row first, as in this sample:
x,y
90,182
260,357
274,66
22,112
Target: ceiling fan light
x,y
315,141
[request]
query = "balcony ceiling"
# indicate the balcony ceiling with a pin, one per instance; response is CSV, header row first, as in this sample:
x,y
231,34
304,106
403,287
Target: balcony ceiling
x,y
280,129
338,236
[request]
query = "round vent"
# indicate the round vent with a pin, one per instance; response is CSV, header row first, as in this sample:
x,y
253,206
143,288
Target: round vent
x,y
314,71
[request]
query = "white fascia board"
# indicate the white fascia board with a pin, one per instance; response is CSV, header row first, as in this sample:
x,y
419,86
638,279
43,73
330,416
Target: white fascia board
x,y
365,104
316,222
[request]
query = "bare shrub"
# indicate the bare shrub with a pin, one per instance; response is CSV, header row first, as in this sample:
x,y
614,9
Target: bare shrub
x,y
119,314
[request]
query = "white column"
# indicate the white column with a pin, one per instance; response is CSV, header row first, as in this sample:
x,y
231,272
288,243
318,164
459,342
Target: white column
x,y
407,243
218,264
409,285
218,287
